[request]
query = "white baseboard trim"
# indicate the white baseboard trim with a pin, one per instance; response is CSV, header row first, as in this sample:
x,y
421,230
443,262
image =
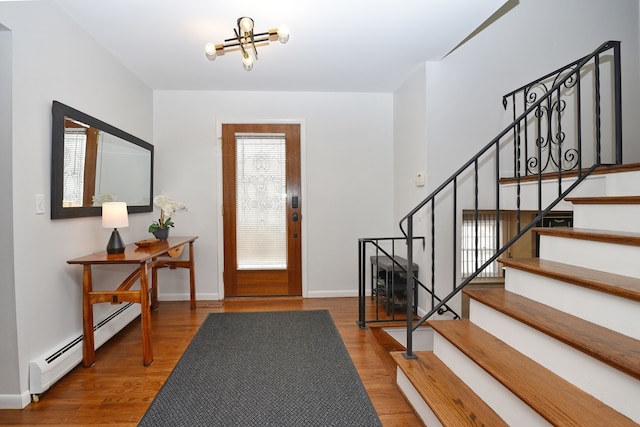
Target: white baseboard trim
x,y
332,294
185,297
215,297
15,401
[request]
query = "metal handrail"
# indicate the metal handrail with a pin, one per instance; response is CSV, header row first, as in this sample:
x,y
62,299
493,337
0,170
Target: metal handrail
x,y
536,109
362,286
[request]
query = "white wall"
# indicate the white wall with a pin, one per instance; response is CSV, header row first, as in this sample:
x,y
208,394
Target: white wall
x,y
521,46
464,91
347,161
409,136
8,331
54,60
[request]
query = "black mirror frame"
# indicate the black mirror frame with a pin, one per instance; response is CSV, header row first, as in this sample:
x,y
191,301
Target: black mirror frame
x,y
59,112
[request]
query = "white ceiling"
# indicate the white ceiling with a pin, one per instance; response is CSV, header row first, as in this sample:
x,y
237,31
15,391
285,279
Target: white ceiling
x,y
335,45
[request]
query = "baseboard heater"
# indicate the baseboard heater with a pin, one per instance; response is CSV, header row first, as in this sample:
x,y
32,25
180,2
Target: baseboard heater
x,y
53,365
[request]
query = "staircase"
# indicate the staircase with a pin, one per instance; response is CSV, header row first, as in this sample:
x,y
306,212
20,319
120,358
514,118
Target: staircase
x,y
559,345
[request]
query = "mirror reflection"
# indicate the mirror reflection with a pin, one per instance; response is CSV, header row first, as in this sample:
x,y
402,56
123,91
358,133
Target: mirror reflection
x,y
95,163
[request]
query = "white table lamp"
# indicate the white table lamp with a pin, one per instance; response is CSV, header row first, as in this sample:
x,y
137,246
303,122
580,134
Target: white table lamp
x,y
114,215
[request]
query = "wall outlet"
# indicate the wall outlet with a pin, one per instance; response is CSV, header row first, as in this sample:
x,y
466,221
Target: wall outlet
x,y
39,204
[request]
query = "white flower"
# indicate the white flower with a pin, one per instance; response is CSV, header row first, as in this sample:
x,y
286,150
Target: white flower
x,y
167,208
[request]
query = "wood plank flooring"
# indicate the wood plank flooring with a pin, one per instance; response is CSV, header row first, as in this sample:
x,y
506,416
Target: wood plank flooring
x,y
118,389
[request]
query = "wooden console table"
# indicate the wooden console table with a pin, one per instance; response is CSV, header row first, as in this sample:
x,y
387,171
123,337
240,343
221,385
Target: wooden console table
x,y
144,258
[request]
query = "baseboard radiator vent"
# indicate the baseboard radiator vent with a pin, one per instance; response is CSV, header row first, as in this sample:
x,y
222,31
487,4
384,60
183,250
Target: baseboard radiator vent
x,y
49,368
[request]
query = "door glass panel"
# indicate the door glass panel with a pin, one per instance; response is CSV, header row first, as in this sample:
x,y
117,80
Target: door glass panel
x,y
261,196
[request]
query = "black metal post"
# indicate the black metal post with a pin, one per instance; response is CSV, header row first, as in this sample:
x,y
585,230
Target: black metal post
x,y
410,289
361,286
598,109
617,81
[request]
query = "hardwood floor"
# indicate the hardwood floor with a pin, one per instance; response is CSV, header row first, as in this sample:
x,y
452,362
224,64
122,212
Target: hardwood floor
x,y
118,389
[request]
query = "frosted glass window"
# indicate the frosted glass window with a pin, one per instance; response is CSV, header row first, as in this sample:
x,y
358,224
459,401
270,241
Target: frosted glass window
x,y
261,195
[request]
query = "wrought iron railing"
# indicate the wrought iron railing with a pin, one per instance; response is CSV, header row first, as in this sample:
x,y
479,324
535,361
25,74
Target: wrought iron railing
x,y
371,254
558,130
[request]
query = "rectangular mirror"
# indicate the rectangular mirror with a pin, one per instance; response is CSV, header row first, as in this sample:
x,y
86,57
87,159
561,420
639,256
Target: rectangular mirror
x,y
94,162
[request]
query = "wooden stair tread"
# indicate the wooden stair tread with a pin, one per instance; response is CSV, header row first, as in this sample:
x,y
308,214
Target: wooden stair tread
x,y
601,170
610,283
450,399
555,399
613,348
604,200
617,237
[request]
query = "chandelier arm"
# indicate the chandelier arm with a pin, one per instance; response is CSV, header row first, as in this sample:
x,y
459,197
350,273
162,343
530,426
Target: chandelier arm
x,y
234,41
266,33
244,36
253,44
244,52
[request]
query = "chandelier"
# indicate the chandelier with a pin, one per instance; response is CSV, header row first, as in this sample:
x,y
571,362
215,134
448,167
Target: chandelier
x,y
246,41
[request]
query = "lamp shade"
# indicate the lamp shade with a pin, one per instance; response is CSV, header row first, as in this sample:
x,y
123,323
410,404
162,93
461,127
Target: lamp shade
x,y
114,215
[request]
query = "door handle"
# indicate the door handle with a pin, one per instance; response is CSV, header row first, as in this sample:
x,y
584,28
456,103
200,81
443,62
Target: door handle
x,y
294,217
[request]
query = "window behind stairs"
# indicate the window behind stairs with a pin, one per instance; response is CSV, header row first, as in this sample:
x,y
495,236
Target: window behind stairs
x,y
479,243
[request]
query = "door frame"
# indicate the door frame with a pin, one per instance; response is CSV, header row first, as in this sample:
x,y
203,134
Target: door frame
x,y
219,195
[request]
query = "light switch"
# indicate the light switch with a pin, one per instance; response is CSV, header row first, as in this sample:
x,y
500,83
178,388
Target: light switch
x,y
419,179
39,204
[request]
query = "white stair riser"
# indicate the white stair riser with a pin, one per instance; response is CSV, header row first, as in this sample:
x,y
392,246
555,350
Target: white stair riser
x,y
622,184
422,337
510,408
614,388
419,406
607,217
611,258
529,193
619,314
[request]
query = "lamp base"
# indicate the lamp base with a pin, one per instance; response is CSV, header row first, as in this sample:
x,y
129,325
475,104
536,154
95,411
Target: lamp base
x,y
115,245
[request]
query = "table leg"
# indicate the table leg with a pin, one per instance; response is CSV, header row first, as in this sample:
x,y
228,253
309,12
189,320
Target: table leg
x,y
145,315
88,347
192,278
154,286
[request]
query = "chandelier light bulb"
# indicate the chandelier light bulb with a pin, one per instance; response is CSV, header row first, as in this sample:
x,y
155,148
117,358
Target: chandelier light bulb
x,y
283,33
210,51
246,25
247,62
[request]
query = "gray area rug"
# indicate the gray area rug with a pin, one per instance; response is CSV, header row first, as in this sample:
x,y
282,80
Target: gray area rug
x,y
264,369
